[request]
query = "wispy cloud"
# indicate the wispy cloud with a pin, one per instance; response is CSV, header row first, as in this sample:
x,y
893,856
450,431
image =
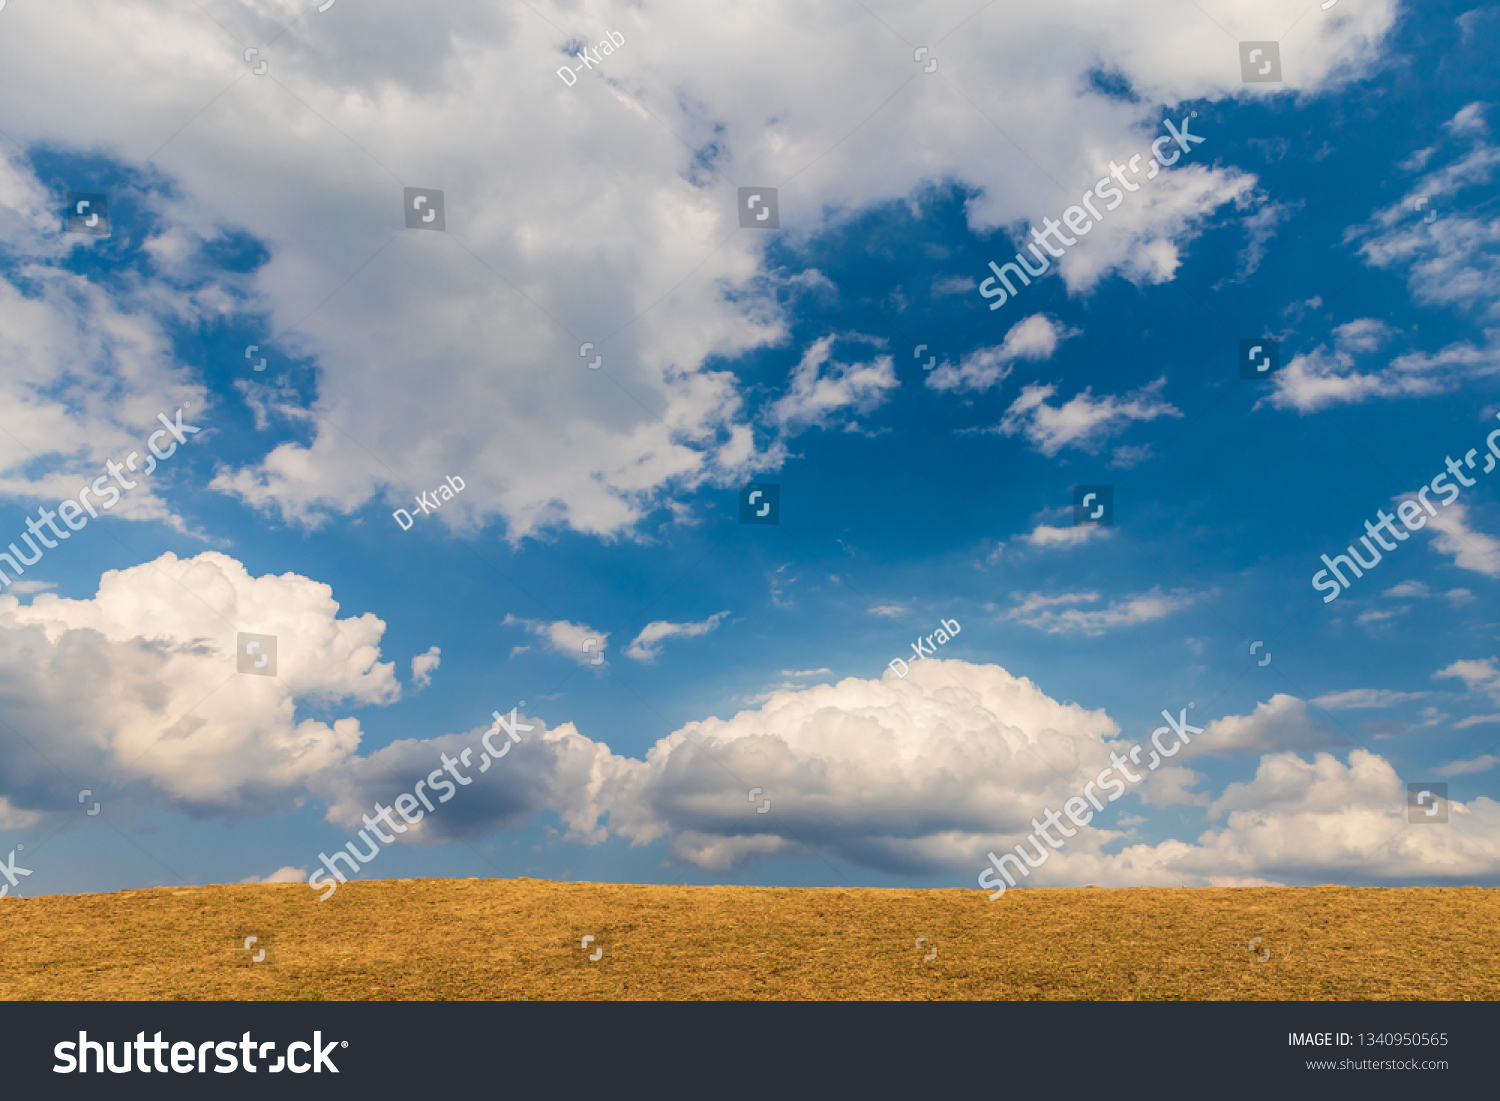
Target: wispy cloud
x,y
1084,421
646,646
1048,613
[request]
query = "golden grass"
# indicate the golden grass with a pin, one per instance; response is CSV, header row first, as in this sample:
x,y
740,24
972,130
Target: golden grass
x,y
508,939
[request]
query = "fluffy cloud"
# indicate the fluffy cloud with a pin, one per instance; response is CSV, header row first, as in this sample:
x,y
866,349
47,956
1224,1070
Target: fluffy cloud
x,y
459,353
139,685
905,774
556,770
423,666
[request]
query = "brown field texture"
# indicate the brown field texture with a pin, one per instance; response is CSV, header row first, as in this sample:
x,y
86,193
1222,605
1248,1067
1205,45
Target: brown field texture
x,y
499,939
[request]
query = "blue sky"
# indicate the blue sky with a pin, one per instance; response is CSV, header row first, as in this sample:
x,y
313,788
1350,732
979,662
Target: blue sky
x,y
264,210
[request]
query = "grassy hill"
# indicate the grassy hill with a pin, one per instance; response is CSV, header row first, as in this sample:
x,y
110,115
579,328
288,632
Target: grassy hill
x,y
509,939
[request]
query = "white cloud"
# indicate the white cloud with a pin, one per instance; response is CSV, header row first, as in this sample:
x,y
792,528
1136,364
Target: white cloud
x,y
1461,768
1324,378
1477,675
1470,549
141,680
814,395
804,672
1035,337
953,284
900,774
1084,421
1366,697
1279,724
1409,590
281,875
458,354
423,666
1047,614
1130,456
646,646
564,638
1045,535
1475,720
556,770
894,611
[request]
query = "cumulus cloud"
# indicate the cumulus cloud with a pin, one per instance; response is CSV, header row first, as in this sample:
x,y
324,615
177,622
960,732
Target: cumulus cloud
x,y
1035,337
141,681
555,770
1084,421
899,774
646,646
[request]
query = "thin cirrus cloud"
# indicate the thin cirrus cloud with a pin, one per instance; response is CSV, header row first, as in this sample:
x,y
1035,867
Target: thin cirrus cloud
x,y
1366,697
1078,612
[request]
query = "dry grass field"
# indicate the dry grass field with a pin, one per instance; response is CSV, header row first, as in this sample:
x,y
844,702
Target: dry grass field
x,y
513,939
